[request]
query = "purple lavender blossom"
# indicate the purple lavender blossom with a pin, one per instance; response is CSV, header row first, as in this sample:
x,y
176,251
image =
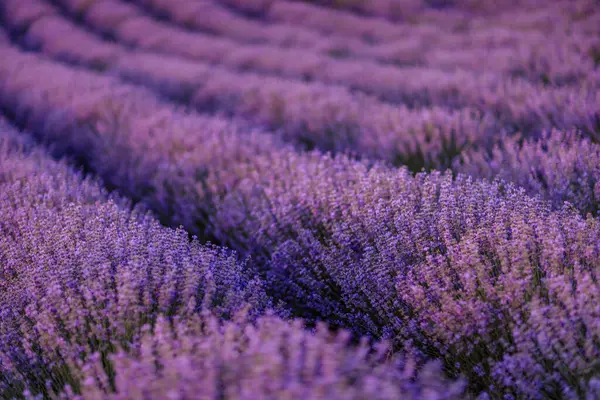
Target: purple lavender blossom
x,y
445,266
561,167
490,268
270,359
82,272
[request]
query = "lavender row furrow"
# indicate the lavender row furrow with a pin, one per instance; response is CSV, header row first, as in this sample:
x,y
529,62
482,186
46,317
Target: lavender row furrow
x,y
524,52
558,62
332,119
523,105
531,13
580,15
117,120
307,115
215,18
20,15
369,128
250,7
86,275
83,271
548,18
416,10
223,90
316,115
212,17
390,9
565,62
445,266
411,85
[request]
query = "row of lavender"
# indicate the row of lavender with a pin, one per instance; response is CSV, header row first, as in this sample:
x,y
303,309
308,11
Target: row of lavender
x,y
562,166
519,104
311,114
410,84
477,274
87,279
436,45
544,16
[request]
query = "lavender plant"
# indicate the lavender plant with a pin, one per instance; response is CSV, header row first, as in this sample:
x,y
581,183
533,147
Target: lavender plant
x,y
561,167
270,359
444,266
82,272
99,301
497,280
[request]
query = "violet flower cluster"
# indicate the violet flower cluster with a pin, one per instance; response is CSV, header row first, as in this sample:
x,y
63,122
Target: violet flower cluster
x,y
308,115
394,217
100,301
440,270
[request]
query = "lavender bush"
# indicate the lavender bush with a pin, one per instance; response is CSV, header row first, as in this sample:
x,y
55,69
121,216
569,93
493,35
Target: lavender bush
x,y
107,276
271,359
562,167
440,270
82,272
488,270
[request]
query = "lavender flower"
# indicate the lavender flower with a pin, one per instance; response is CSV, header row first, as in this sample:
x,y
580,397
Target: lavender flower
x,y
497,280
271,359
82,272
561,167
445,266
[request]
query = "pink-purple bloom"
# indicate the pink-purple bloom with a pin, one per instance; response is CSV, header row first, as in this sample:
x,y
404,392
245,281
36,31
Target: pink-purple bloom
x,y
404,198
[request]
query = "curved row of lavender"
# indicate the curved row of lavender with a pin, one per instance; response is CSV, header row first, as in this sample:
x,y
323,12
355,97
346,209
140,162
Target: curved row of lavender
x,y
436,45
544,16
475,273
408,84
332,118
308,115
520,104
99,301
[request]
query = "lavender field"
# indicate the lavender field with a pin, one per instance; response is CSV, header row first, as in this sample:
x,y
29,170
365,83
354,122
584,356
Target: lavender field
x,y
294,199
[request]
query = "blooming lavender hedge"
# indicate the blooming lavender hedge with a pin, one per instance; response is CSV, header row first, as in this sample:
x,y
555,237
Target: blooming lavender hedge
x,y
561,167
522,105
497,280
107,282
270,359
82,271
438,46
446,267
547,17
564,62
308,115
